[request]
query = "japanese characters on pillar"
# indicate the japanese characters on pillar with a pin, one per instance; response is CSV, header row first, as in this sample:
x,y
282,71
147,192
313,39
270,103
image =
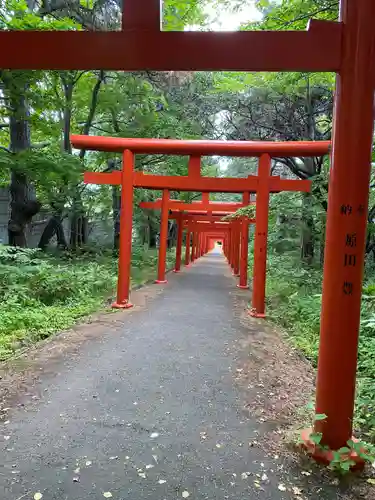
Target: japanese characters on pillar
x,y
350,256
346,226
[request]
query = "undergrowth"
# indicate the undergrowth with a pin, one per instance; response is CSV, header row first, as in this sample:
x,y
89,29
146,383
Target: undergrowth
x,y
294,302
41,294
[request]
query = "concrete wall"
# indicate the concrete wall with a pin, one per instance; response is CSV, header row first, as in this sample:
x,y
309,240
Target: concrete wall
x,y
100,231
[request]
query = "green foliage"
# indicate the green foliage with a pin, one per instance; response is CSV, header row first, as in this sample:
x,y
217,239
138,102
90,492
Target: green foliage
x,y
320,416
294,302
248,211
294,14
43,294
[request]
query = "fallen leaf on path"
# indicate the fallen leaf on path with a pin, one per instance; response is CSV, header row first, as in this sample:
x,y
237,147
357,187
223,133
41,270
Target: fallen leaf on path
x,y
281,487
218,445
38,496
77,471
114,458
88,463
75,479
142,474
371,481
107,494
154,435
185,494
149,466
162,481
296,491
6,438
264,477
155,457
305,473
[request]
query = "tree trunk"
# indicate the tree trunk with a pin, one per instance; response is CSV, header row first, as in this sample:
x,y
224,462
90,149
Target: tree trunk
x,y
307,236
68,85
78,230
153,234
322,244
54,227
172,234
23,205
116,209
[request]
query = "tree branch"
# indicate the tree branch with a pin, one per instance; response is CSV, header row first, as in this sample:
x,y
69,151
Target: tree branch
x,y
93,106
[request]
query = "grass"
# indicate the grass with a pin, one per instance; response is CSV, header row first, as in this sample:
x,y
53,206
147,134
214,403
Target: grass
x,y
294,302
42,294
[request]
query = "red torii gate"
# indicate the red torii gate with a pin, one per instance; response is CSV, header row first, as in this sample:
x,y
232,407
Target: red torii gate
x,y
263,184
346,48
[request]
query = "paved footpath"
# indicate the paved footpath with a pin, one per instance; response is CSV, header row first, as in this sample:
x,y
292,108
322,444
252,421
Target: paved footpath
x,y
151,413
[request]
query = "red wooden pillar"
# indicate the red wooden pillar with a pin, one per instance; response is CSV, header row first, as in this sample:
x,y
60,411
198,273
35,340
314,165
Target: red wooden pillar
x,y
244,246
346,224
232,238
231,250
187,247
194,245
180,228
163,238
237,244
126,233
260,242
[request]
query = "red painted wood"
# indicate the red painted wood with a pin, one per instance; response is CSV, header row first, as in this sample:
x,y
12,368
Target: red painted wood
x,y
141,15
244,245
197,147
180,229
126,230
346,224
163,238
317,50
260,240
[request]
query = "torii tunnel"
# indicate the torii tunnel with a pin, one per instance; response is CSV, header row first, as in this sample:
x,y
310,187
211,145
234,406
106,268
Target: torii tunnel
x,y
262,184
187,215
347,48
